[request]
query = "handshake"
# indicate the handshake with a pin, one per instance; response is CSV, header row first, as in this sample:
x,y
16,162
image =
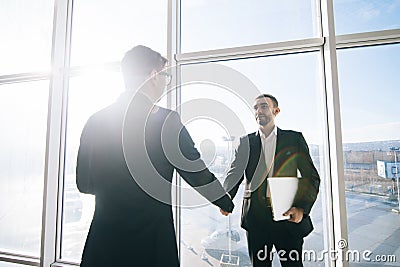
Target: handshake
x,y
225,213
227,207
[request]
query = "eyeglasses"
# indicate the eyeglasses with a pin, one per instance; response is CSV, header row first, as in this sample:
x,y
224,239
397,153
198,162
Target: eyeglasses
x,y
168,77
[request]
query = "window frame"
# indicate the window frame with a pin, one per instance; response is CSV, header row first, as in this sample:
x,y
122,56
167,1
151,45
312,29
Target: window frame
x,y
326,45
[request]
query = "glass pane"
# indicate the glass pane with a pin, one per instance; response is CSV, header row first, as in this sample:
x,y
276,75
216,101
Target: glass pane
x,y
104,30
370,123
212,110
220,24
87,94
354,16
26,32
23,109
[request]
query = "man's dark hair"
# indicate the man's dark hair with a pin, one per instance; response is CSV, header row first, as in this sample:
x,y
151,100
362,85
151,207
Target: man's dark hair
x,y
273,98
138,63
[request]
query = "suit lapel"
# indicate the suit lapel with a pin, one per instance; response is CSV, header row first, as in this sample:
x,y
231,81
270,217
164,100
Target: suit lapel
x,y
282,153
258,158
277,150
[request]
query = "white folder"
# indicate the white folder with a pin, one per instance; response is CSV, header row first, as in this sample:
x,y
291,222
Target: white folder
x,y
283,190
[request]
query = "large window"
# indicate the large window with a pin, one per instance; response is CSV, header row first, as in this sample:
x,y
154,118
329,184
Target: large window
x,y
100,40
354,16
217,128
104,30
61,57
23,114
221,24
371,127
25,35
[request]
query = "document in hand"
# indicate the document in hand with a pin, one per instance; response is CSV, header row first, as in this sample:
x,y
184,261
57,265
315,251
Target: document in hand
x,y
283,191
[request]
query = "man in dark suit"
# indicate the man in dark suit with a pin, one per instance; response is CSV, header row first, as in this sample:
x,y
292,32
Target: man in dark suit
x,y
127,156
272,152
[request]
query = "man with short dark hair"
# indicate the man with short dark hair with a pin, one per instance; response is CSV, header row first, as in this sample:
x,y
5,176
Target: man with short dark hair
x,y
272,152
127,156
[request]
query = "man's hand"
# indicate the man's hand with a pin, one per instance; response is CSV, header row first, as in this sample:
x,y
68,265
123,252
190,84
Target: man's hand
x,y
225,213
296,214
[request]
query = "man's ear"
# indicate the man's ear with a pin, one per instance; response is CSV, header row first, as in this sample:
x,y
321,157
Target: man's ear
x,y
153,76
276,111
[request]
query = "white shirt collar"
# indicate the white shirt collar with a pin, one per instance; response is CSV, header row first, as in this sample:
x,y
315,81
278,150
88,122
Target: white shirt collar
x,y
273,133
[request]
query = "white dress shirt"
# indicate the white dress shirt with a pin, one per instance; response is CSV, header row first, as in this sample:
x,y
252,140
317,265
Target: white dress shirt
x,y
268,149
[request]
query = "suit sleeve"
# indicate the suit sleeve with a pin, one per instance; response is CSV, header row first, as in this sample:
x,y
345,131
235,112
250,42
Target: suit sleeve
x,y
194,171
309,183
236,172
84,163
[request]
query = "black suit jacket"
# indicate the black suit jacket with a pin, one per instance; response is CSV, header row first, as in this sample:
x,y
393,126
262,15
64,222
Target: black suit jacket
x,y
123,160
292,154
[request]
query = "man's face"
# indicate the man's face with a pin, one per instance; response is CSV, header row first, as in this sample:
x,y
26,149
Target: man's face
x,y
160,80
160,84
264,111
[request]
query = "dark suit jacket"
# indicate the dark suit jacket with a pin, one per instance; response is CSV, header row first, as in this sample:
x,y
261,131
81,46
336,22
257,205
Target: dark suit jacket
x,y
291,154
133,221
